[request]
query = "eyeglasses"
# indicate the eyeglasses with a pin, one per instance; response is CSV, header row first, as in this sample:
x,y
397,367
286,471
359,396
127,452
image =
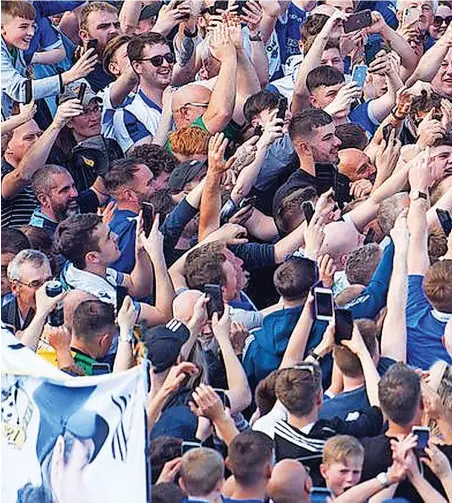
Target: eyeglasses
x,y
438,21
202,105
91,111
35,284
158,60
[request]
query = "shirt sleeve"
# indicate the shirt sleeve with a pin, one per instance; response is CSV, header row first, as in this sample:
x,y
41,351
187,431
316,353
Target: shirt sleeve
x,y
128,129
416,298
369,424
49,37
373,298
255,255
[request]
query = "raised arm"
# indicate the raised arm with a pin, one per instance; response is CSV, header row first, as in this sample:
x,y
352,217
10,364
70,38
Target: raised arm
x,y
222,101
393,337
253,14
37,155
127,317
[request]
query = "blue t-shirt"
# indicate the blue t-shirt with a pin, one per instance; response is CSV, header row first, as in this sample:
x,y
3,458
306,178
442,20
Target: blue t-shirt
x,y
361,115
348,405
46,38
424,330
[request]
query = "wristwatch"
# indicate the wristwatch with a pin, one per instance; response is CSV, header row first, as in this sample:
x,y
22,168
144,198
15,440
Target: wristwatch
x,y
126,337
314,355
397,117
383,479
417,194
257,37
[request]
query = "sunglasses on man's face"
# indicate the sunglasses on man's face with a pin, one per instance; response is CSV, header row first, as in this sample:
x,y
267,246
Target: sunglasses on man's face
x,y
438,21
158,60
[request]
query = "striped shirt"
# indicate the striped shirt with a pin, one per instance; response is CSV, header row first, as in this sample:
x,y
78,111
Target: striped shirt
x,y
136,120
17,210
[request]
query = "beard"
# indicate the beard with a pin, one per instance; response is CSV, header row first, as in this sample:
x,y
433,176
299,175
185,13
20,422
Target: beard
x,y
62,211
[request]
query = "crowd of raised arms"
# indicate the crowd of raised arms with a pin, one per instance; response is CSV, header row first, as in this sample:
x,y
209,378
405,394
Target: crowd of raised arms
x,y
255,196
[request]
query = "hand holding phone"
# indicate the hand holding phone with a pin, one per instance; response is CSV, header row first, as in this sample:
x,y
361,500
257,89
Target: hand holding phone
x,y
343,326
359,75
188,446
324,303
282,108
215,304
357,21
423,436
92,44
81,92
308,210
148,217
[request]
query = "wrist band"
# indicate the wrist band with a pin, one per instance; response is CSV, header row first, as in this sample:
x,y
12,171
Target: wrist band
x,y
189,34
257,37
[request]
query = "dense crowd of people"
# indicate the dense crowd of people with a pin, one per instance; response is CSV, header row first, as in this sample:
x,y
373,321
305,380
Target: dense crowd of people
x,y
255,197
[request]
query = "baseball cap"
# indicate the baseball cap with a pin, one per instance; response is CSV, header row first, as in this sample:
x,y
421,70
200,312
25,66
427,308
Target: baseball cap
x,y
164,343
71,92
149,11
185,173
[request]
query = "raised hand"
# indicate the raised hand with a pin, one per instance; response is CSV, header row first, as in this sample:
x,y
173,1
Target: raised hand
x,y
400,233
420,176
437,461
44,303
58,337
217,148
272,131
221,328
239,334
108,212
341,104
84,66
27,111
429,131
169,472
66,111
207,403
220,44
127,315
361,188
153,244
252,15
177,375
327,269
231,234
314,236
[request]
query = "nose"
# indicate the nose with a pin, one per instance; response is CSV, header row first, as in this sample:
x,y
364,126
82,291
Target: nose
x,y
114,236
74,192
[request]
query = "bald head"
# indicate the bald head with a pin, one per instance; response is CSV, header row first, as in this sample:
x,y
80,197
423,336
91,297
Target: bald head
x,y
289,483
194,94
184,304
73,299
355,164
340,239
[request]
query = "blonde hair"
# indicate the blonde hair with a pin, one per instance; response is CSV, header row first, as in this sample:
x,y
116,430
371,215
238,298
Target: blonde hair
x,y
201,470
340,448
94,7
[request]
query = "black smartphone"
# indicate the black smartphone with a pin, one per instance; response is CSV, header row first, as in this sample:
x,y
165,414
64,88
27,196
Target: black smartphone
x,y
423,436
282,107
387,133
324,303
325,174
221,5
258,130
148,216
344,325
81,92
98,369
308,210
240,5
371,50
445,220
370,236
28,91
357,21
188,446
248,201
342,189
92,44
320,495
215,304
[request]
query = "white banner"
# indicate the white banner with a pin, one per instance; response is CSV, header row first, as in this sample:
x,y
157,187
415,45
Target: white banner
x,y
71,439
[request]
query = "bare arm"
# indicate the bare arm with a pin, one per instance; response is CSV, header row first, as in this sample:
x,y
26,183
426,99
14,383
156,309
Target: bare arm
x,y
49,57
26,114
123,86
127,318
129,16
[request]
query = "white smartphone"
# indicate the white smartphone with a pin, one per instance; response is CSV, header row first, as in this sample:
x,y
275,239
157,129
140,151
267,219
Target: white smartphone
x,y
324,303
410,15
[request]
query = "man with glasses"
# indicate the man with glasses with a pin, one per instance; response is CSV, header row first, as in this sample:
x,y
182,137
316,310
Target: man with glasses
x,y
153,62
27,272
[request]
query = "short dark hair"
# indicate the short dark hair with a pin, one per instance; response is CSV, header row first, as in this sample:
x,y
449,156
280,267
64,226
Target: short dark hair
x,y
288,212
426,102
112,46
305,122
444,141
352,136
163,203
265,396
258,102
139,42
92,318
162,450
399,392
14,241
121,173
294,278
361,264
167,492
248,453
297,388
311,28
347,361
74,237
157,158
205,265
326,76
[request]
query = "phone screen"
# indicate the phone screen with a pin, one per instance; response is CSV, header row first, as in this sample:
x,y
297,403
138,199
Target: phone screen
x,y
358,21
282,108
323,298
188,446
215,304
344,325
410,15
320,495
423,435
445,221
148,217
371,50
359,75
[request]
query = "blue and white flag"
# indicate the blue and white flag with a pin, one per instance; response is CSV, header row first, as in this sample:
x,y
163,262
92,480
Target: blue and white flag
x,y
70,439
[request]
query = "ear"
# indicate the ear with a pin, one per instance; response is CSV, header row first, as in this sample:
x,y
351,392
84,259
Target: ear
x,y
84,36
313,101
227,463
343,260
202,22
305,148
136,65
182,485
113,68
92,256
308,485
319,398
254,122
104,339
43,200
324,470
14,287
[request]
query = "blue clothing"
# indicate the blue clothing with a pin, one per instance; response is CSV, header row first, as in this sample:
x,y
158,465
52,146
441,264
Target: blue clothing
x,y
46,38
288,31
373,297
386,8
349,404
255,255
264,349
363,116
99,79
42,221
424,330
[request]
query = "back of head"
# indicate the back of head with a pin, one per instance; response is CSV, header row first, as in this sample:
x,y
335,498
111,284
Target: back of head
x,y
183,304
438,285
257,103
297,388
13,241
163,449
289,483
91,319
121,174
311,28
399,392
74,237
288,213
167,492
390,209
361,264
112,46
265,396
250,456
70,303
346,360
304,123
351,136
341,448
294,278
204,265
201,472
189,141
323,76
156,158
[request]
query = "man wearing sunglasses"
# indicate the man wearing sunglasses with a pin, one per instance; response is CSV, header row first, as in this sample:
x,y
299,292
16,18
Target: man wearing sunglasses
x,y
153,64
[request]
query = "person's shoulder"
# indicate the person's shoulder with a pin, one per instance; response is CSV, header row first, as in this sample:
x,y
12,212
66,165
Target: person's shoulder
x,y
6,167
